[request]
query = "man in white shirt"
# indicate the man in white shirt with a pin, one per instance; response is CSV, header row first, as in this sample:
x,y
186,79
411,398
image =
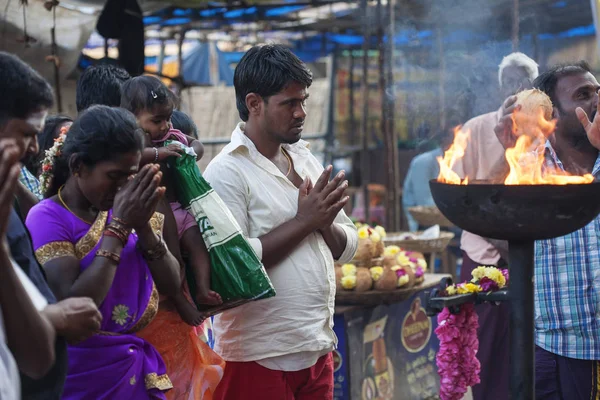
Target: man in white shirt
x,y
280,348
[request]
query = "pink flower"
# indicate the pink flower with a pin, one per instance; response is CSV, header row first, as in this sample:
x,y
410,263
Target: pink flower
x,y
456,359
400,272
487,284
505,273
419,271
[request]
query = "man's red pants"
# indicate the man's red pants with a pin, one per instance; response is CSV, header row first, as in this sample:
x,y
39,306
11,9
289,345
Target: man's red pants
x,y
251,381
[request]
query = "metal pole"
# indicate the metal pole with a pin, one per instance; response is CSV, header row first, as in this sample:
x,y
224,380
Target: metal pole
x,y
161,56
329,141
351,116
364,158
391,107
522,347
515,25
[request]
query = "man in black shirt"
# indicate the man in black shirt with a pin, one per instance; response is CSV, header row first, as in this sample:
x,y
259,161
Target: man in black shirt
x,y
23,110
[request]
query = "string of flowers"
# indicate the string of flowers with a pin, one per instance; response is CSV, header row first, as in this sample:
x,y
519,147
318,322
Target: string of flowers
x,y
48,161
456,359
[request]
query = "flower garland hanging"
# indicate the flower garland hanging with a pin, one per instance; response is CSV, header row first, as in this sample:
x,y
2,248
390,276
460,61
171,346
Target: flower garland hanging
x,y
456,359
48,161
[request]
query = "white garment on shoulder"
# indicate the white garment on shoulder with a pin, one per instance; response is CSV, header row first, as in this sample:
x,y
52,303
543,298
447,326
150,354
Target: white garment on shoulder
x,y
10,384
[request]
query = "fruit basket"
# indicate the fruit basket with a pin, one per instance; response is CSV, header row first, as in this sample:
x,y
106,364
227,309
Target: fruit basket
x,y
410,241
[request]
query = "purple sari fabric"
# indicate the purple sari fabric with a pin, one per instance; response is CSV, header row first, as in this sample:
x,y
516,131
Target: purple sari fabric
x,y
114,364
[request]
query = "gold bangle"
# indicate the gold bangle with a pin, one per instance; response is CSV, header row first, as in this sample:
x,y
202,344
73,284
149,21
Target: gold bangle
x,y
121,230
111,256
155,253
120,221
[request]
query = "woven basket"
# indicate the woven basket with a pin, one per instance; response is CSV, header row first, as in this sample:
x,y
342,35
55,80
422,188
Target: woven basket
x,y
425,246
429,216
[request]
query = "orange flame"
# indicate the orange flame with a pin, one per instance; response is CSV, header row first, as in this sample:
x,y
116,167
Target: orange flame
x,y
453,154
526,159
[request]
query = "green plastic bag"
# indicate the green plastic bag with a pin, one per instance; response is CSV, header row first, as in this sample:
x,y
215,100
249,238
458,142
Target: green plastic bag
x,y
236,272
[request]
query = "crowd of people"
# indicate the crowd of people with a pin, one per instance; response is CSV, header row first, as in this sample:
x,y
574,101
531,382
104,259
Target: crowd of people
x,y
95,301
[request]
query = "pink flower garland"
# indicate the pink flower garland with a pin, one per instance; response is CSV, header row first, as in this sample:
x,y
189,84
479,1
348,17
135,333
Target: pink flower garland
x,y
456,360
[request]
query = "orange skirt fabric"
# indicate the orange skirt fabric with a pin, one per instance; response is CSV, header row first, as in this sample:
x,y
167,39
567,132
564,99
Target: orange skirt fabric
x,y
193,367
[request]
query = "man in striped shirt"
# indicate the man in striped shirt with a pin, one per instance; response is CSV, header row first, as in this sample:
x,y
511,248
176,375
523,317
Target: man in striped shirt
x,y
567,269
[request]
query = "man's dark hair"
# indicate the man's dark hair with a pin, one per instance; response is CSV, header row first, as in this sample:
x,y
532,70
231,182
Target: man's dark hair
x,y
547,81
100,84
267,70
23,90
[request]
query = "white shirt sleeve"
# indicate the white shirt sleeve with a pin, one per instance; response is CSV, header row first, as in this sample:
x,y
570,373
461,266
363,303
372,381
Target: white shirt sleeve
x,y
232,189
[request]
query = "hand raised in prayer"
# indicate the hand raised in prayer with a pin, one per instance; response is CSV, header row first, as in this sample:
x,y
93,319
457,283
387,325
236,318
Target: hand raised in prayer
x,y
75,318
136,201
9,174
319,205
504,128
592,128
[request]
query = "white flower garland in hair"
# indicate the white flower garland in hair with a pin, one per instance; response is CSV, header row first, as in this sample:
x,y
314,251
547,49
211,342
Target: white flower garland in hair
x,y
48,162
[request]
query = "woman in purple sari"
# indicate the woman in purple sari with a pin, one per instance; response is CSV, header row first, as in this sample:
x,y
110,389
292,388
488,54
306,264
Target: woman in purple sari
x,y
97,235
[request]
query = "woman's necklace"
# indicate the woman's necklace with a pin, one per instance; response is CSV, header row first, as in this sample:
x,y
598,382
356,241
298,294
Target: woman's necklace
x,y
67,207
289,161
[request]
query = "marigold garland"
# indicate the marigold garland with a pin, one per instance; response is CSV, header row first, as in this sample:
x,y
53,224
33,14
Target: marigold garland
x,y
456,359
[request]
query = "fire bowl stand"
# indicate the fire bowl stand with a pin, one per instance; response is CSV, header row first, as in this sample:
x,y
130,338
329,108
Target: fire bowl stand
x,y
520,295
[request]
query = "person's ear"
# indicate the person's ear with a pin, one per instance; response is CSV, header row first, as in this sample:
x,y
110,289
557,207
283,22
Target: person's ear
x,y
254,103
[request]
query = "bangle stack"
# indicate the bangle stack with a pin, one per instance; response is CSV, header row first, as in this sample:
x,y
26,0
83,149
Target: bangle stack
x,y
155,253
119,229
111,256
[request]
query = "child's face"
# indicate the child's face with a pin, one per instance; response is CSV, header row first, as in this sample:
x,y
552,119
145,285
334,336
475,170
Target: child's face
x,y
156,121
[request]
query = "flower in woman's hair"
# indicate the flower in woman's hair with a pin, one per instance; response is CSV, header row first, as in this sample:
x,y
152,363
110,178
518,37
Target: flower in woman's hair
x,y
48,162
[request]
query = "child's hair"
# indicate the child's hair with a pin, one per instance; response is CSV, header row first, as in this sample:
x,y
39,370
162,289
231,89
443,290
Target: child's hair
x,y
144,93
181,121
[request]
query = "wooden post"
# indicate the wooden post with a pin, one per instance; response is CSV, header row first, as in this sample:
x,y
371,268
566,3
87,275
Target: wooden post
x,y
364,89
441,77
515,26
180,55
330,139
